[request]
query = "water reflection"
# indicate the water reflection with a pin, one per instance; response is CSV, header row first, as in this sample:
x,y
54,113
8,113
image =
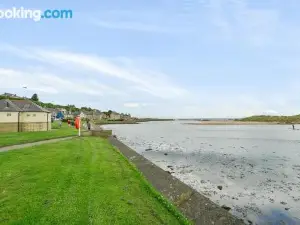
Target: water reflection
x,y
277,217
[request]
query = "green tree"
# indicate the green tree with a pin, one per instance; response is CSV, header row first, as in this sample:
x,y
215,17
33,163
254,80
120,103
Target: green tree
x,y
35,97
109,112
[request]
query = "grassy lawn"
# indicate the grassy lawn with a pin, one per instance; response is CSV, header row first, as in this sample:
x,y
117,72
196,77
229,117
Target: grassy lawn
x,y
25,137
79,181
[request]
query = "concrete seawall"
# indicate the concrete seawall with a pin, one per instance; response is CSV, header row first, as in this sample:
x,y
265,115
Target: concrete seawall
x,y
195,206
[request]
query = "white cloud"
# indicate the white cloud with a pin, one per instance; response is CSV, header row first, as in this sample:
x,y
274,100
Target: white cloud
x,y
271,112
155,84
135,26
162,21
136,105
239,22
131,105
50,83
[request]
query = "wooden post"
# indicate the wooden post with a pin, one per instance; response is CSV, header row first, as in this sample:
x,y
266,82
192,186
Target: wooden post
x,y
79,122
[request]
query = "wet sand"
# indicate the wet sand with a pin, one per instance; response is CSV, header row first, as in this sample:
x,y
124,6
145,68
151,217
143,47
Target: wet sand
x,y
230,122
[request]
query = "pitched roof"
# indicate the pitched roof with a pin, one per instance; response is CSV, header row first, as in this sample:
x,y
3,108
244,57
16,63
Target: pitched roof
x,y
7,106
51,110
20,106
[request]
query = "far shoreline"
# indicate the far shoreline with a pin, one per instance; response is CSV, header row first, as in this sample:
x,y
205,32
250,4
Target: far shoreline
x,y
232,122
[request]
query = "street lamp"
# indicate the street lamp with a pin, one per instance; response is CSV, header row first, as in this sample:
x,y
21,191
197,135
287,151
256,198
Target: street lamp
x,y
25,87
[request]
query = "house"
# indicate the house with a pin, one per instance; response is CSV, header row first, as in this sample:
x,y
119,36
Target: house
x,y
64,111
68,114
23,115
9,95
87,115
97,115
103,116
125,116
52,111
82,115
115,116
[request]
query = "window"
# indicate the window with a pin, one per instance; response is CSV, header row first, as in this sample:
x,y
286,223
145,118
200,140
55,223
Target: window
x,y
8,114
28,114
34,115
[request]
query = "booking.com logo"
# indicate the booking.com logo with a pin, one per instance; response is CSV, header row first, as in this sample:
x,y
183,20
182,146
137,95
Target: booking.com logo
x,y
35,14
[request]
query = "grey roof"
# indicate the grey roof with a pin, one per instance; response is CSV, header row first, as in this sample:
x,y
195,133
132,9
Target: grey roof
x,y
20,106
87,112
51,110
7,106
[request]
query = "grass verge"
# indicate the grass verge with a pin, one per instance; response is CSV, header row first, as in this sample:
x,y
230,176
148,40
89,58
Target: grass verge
x,y
171,208
14,138
79,181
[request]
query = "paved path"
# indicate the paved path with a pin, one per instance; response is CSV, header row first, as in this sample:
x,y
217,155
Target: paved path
x,y
13,147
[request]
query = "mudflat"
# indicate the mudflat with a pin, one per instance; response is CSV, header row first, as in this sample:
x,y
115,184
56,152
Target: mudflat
x,y
230,122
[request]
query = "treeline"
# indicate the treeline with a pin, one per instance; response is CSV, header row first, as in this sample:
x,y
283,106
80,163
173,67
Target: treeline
x,y
274,119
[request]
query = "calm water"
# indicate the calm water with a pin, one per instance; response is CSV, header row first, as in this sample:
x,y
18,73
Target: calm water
x,y
258,167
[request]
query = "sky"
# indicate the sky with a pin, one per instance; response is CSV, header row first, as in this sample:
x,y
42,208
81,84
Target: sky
x,y
158,58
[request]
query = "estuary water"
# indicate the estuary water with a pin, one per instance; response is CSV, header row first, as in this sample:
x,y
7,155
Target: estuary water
x,y
254,170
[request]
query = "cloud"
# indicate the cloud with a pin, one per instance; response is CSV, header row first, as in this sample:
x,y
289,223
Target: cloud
x,y
131,105
147,81
237,21
162,21
270,112
134,26
136,105
51,84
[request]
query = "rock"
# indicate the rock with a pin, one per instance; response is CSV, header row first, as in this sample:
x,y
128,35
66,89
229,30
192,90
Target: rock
x,y
286,209
250,222
283,203
226,207
220,187
203,181
166,154
169,166
148,149
114,136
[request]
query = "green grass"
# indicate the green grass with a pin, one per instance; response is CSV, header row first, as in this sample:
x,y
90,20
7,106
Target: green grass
x,y
26,137
79,181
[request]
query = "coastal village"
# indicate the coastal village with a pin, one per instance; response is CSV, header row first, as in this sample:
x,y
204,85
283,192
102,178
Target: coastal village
x,y
95,170
24,114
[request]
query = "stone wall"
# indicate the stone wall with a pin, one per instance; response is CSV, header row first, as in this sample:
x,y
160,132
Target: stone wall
x,y
35,126
8,127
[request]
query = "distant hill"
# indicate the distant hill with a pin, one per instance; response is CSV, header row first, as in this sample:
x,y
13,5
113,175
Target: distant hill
x,y
279,119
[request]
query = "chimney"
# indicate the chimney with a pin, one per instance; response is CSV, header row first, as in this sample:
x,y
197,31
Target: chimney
x,y
7,104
